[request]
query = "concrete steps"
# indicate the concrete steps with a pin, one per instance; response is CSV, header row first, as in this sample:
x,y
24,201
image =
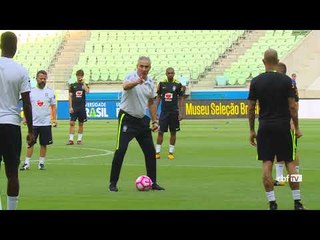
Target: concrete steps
x,y
67,56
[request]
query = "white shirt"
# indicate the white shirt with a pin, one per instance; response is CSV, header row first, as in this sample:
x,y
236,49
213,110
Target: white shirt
x,y
135,100
41,101
14,79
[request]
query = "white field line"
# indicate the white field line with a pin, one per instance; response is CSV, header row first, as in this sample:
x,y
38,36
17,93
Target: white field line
x,y
57,161
104,153
61,161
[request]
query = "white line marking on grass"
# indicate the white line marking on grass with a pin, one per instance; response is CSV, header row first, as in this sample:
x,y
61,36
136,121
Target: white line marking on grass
x,y
104,153
230,166
108,152
191,166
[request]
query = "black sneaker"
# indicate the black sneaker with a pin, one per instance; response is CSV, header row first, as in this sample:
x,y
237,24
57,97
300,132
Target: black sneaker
x,y
273,205
113,188
298,205
156,187
41,166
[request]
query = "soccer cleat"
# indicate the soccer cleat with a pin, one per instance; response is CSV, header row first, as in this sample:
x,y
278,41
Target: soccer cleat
x,y
156,187
70,142
170,156
113,188
79,142
273,205
41,166
279,183
25,167
298,205
157,155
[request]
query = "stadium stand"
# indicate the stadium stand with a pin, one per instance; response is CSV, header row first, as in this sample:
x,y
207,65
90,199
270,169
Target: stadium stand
x,y
37,49
110,54
203,59
244,60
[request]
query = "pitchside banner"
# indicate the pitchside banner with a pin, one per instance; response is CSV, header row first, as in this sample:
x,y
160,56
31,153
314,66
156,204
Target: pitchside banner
x,y
202,109
192,109
96,109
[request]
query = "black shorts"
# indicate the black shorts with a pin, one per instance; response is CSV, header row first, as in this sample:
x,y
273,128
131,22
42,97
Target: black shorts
x,y
276,141
10,144
169,120
44,133
79,114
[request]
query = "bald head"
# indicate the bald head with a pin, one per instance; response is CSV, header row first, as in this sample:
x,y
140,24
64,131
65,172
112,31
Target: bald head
x,y
170,73
270,57
8,44
281,68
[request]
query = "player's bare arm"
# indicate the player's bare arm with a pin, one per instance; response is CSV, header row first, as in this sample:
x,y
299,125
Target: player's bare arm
x,y
127,85
294,116
181,99
85,87
252,116
70,103
153,113
54,115
28,116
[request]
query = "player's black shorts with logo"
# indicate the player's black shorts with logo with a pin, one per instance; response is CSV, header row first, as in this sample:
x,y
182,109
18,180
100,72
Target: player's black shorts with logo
x,y
44,133
10,144
80,114
169,120
276,140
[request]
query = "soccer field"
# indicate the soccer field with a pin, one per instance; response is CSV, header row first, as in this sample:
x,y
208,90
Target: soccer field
x,y
215,168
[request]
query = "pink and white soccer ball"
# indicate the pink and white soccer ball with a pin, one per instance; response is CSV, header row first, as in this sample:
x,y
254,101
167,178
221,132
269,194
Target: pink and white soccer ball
x,y
143,183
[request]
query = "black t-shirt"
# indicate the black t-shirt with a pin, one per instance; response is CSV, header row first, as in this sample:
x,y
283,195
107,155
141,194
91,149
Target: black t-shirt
x,y
272,90
169,93
78,95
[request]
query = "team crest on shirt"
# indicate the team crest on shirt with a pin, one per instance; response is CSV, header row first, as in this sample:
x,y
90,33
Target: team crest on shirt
x,y
168,97
173,88
40,103
78,94
124,128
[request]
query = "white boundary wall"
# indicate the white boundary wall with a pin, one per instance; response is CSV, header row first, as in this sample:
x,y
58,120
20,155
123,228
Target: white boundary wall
x,y
309,108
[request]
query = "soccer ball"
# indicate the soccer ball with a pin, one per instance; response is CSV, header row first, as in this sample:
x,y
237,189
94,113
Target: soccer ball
x,y
143,183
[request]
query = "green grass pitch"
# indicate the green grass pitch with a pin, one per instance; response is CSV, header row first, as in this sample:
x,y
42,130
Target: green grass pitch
x,y
215,169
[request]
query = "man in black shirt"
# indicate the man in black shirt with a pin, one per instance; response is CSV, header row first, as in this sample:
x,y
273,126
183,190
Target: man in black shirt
x,y
279,165
170,92
275,94
77,106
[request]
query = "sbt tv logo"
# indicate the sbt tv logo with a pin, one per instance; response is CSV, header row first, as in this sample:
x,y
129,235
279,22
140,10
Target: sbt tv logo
x,y
291,178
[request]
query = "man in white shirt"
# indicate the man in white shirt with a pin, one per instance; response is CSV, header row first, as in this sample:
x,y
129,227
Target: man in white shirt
x,y
43,104
14,80
138,95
